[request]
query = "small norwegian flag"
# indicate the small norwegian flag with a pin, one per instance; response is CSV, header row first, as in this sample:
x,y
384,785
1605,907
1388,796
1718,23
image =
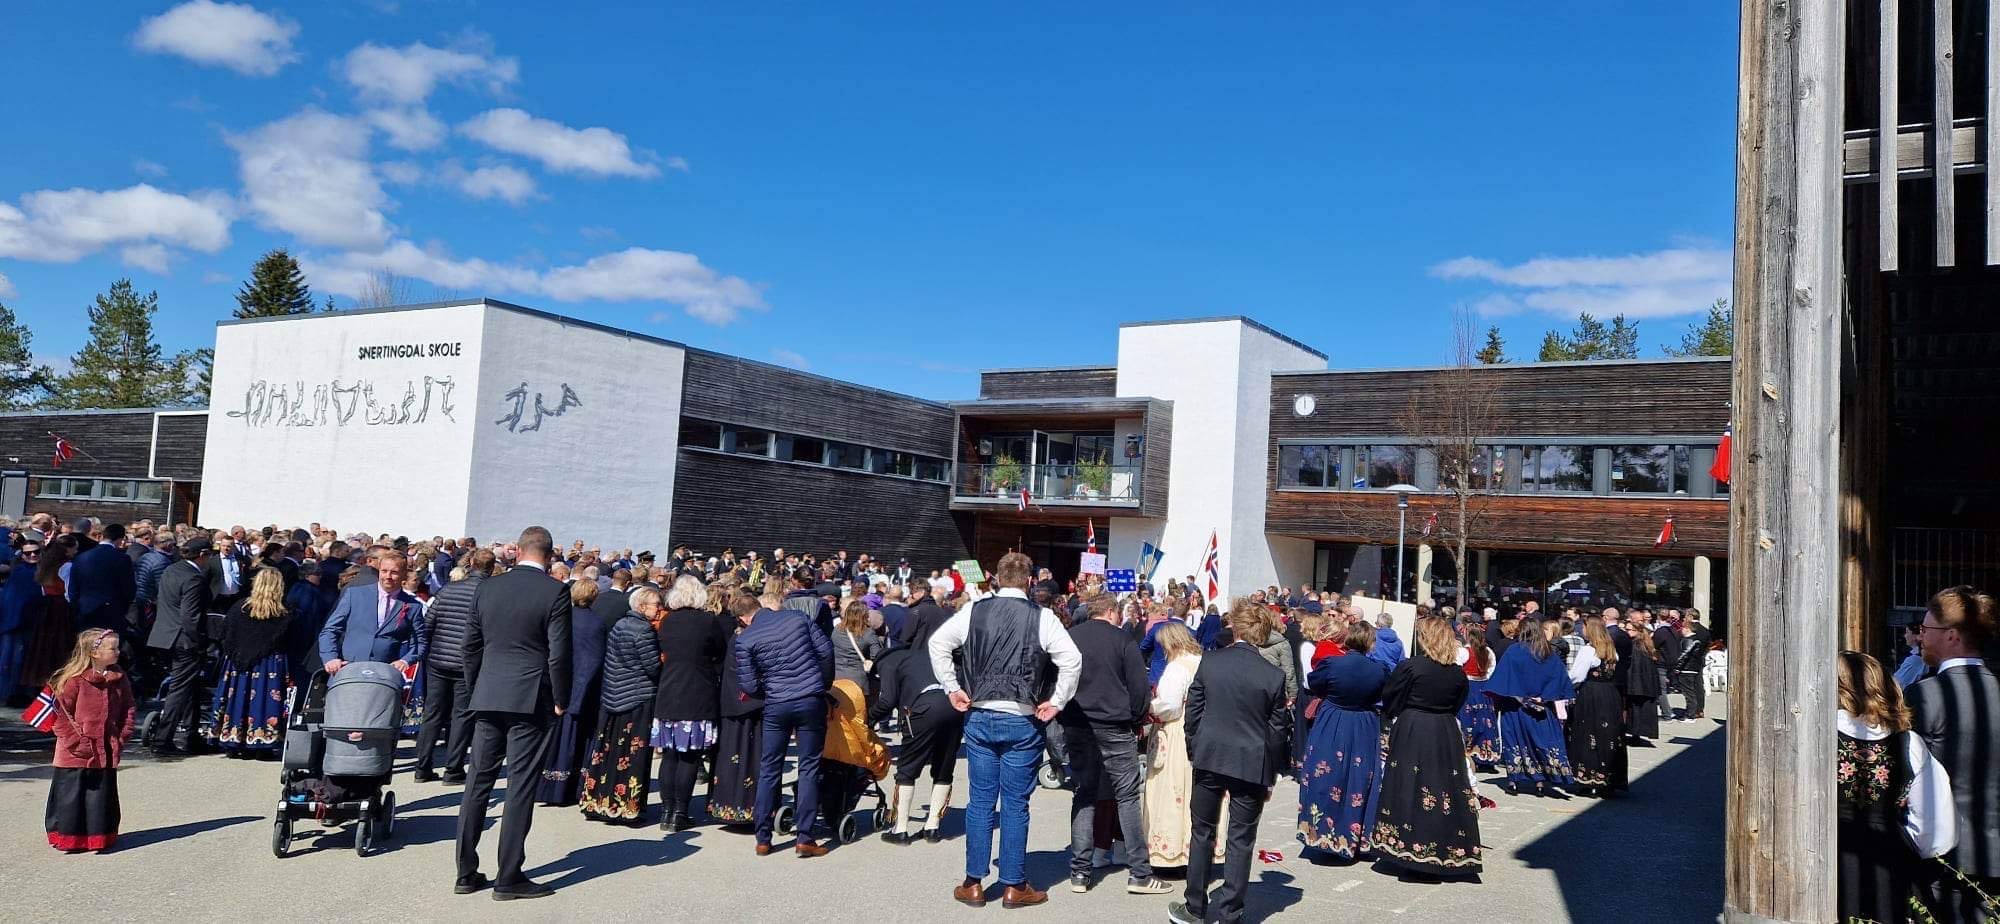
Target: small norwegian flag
x,y
1211,562
1666,534
1090,537
1270,856
41,714
1720,470
65,451
1021,503
1430,523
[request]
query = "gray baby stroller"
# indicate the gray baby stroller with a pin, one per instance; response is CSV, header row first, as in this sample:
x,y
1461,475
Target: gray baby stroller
x,y
340,745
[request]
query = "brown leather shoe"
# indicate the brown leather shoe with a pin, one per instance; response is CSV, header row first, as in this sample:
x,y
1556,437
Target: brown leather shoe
x,y
1022,896
808,849
763,850
970,892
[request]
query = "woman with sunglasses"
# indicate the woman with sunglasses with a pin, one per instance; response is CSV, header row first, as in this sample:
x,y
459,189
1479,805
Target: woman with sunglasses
x,y
17,620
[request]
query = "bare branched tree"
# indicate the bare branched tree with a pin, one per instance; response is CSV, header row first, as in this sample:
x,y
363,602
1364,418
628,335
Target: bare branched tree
x,y
1449,420
384,289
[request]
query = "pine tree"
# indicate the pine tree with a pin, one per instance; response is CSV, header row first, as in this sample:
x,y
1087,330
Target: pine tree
x,y
1593,340
277,287
22,383
1495,350
1622,342
121,365
1555,349
1714,336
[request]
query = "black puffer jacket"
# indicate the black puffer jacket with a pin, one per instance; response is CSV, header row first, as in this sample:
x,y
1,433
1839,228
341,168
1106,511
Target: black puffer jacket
x,y
446,617
631,664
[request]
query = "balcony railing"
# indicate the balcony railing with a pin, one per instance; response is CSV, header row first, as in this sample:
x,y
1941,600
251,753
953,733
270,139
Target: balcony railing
x,y
1049,484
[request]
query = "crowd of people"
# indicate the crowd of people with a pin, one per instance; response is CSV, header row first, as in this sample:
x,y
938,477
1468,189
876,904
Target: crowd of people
x,y
595,677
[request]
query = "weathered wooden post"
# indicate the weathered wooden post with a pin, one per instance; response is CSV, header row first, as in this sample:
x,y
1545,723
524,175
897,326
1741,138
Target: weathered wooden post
x,y
1785,482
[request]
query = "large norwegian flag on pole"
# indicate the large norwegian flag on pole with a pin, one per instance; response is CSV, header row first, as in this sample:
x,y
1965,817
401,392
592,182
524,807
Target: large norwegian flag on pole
x,y
1211,565
1720,470
1090,536
65,451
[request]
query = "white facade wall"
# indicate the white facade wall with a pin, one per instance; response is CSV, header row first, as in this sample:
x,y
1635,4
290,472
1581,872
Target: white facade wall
x,y
469,419
1218,375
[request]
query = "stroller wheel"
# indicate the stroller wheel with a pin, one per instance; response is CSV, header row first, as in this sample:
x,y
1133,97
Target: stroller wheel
x,y
387,814
783,821
281,835
1049,777
362,834
881,818
850,829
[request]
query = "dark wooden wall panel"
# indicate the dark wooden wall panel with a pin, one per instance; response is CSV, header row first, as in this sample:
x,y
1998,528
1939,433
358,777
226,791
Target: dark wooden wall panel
x,y
1581,399
1049,383
740,502
1510,521
116,443
183,441
753,394
1159,458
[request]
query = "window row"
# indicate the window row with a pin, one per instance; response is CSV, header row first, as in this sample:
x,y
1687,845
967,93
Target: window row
x,y
810,450
103,489
1579,468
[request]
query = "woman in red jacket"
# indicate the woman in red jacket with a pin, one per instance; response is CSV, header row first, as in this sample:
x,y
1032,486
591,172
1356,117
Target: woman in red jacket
x,y
94,710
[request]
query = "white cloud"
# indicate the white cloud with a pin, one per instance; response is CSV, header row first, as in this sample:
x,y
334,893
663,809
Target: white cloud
x,y
412,128
792,358
145,167
214,278
231,35
595,151
145,256
1658,284
598,233
62,226
636,274
678,163
508,184
401,172
409,74
308,175
6,287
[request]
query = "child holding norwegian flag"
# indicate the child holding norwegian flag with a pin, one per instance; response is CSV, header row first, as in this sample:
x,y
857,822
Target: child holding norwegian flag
x,y
88,704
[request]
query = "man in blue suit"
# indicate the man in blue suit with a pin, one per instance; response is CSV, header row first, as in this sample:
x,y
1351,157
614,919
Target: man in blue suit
x,y
101,581
375,621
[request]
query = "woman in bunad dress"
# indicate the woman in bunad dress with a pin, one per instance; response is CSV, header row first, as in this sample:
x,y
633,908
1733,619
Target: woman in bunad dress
x,y
1340,775
1428,820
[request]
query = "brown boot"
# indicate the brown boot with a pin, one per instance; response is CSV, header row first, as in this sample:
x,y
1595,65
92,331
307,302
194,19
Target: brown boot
x,y
1022,896
970,892
809,849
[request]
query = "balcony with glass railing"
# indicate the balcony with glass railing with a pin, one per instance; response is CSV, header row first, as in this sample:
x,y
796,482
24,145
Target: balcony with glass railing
x,y
1048,485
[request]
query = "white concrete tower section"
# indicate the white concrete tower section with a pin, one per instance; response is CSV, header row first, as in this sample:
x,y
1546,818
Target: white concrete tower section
x,y
1217,372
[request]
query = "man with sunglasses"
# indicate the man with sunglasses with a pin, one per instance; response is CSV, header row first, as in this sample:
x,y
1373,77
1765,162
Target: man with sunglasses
x,y
178,632
1956,711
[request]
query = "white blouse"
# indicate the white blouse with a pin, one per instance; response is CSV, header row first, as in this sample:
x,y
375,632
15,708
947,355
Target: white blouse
x,y
1586,659
1170,695
1931,819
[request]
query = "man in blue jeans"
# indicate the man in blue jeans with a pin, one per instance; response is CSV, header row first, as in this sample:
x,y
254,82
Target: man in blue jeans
x,y
785,659
1005,643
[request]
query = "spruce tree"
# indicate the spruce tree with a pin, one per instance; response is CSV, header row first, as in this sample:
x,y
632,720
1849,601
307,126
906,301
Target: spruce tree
x,y
1593,340
1714,336
1495,350
122,365
22,383
1555,348
276,287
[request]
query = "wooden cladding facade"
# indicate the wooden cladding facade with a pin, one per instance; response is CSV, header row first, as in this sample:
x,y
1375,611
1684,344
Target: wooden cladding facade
x,y
1096,382
180,446
110,445
744,502
738,391
1664,398
1554,400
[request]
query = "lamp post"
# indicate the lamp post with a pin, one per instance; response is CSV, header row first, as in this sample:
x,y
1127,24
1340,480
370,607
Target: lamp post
x,y
1403,492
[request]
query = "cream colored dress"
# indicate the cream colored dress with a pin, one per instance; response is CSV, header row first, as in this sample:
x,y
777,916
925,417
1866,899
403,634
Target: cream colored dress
x,y
1169,801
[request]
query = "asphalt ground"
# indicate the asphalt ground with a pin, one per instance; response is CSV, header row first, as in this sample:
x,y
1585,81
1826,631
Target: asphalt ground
x,y
197,833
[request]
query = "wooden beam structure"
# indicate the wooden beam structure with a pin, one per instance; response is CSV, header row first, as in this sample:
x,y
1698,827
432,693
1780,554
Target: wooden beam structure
x,y
1944,190
1785,478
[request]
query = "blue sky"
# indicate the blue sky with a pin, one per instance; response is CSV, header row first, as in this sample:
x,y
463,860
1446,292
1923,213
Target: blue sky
x,y
897,196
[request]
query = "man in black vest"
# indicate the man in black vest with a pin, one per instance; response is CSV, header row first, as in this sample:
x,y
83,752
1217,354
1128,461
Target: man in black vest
x,y
1006,642
1956,710
516,657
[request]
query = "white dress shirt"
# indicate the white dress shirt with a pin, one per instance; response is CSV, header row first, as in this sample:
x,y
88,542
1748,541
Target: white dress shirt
x,y
1054,639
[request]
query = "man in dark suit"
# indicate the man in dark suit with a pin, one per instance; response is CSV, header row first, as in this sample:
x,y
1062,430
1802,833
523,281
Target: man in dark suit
x,y
178,631
100,582
614,603
1237,729
1956,711
375,622
226,571
516,654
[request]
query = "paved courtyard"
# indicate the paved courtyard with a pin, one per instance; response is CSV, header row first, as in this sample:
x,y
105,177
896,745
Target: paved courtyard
x,y
197,846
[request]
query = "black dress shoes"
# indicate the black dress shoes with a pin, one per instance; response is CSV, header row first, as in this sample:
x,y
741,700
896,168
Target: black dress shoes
x,y
470,883
454,777
522,889
900,840
424,776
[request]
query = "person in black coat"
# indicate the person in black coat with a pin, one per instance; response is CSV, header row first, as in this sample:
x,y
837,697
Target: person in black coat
x,y
179,632
447,695
910,686
616,777
693,641
517,655
1238,726
573,731
101,583
1101,726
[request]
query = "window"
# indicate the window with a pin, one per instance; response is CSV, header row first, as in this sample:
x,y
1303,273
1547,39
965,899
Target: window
x,y
700,434
890,462
51,487
1384,466
804,449
85,487
117,490
1559,469
1649,469
1302,466
151,492
930,469
752,442
846,455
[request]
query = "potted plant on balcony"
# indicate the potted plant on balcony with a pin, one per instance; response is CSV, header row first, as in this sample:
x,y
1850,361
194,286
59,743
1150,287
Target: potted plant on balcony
x,y
1093,478
1006,475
